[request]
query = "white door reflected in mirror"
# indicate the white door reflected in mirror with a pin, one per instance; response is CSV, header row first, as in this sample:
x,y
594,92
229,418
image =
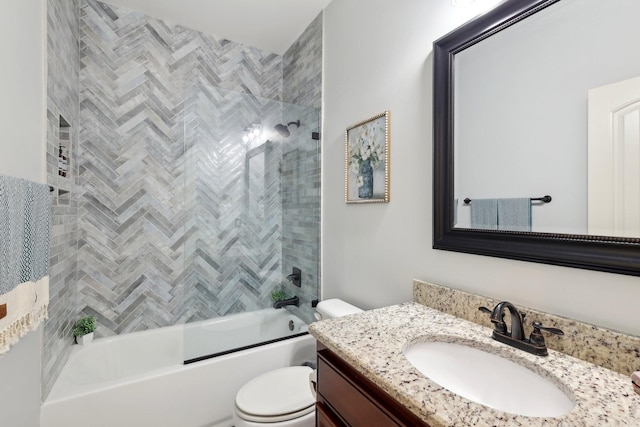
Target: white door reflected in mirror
x,y
614,159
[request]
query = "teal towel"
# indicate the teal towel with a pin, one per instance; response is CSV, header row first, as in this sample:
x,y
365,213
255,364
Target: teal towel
x,y
484,214
514,214
25,224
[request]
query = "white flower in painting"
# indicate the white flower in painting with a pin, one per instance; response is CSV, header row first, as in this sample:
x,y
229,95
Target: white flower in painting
x,y
367,144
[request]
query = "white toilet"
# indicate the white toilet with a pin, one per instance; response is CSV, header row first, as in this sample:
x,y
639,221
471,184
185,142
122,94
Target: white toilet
x,y
283,397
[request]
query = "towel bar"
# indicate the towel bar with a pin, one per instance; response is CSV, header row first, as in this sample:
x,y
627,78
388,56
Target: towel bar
x,y
545,199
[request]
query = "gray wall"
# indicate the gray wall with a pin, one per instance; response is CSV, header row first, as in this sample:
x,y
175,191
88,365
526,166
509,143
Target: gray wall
x,y
372,253
22,110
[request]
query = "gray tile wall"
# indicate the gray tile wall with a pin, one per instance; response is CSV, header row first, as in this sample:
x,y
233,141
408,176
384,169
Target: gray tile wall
x,y
301,212
145,260
302,74
62,100
131,166
234,206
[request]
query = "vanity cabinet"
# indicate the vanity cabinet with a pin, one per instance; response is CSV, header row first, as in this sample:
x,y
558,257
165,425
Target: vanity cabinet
x,y
346,398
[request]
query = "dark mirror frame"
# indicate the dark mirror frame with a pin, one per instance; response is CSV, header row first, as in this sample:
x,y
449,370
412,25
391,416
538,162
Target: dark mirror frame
x,y
610,254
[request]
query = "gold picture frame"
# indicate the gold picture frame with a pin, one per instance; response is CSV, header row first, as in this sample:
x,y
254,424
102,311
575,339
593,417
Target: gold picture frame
x,y
367,161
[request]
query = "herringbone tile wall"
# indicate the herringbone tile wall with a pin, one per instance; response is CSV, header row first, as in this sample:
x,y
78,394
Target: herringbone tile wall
x,y
302,68
63,64
166,236
233,247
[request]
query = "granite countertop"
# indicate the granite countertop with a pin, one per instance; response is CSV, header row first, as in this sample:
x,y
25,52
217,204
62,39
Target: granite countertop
x,y
373,341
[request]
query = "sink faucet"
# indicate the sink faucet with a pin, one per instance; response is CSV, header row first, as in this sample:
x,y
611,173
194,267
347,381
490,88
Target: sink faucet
x,y
515,335
497,318
289,301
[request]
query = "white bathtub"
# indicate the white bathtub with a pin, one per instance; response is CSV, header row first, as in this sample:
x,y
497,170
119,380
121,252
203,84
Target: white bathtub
x,y
139,379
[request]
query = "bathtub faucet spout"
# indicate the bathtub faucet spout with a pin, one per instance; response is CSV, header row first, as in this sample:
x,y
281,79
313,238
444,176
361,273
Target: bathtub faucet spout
x,y
289,301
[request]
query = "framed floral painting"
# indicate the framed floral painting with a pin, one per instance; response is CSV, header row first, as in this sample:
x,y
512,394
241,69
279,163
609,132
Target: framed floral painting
x,y
367,161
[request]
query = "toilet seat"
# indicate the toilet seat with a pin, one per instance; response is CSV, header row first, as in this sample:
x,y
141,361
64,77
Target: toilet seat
x,y
277,418
276,396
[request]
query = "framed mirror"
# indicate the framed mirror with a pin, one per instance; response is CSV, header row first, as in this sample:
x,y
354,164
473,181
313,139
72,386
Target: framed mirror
x,y
520,126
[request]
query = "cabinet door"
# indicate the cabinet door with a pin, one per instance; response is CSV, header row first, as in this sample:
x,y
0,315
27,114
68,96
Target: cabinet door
x,y
354,399
326,418
347,401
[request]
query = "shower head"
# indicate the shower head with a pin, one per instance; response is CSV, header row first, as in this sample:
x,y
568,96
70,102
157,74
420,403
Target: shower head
x,y
283,130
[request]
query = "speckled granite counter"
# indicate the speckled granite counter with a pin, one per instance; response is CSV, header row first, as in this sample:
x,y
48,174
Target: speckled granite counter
x,y
373,341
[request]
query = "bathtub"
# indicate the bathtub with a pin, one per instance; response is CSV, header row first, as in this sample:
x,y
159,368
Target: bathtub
x,y
139,379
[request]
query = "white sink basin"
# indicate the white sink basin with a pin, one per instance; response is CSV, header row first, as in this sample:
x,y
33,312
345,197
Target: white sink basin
x,y
488,379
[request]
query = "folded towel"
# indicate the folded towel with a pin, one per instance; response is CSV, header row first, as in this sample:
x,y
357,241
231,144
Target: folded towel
x,y
514,214
484,214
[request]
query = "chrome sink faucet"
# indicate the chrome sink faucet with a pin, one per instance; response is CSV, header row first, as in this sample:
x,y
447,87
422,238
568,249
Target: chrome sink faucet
x,y
515,335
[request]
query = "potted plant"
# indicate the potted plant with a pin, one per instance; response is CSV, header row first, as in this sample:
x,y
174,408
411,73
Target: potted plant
x,y
278,295
83,329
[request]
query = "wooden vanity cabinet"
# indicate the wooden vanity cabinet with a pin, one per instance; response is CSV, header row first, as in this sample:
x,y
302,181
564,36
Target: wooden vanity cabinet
x,y
346,398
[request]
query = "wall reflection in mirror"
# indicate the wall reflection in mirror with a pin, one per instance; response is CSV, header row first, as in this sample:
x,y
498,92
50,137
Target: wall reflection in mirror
x,y
550,106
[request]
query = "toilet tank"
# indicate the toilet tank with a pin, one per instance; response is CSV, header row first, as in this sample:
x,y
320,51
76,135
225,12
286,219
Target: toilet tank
x,y
330,308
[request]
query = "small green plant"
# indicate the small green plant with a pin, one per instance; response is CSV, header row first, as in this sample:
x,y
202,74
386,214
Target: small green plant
x,y
84,326
278,295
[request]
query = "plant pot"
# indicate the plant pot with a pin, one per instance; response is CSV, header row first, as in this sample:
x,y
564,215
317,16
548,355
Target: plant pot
x,y
84,339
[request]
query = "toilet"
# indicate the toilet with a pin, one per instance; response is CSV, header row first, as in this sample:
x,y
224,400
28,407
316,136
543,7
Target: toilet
x,y
283,397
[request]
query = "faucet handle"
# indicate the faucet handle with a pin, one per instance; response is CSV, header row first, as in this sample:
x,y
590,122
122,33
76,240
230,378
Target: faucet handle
x,y
484,310
536,337
537,326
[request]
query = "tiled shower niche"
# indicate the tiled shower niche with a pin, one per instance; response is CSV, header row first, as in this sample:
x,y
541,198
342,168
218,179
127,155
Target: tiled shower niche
x,y
64,148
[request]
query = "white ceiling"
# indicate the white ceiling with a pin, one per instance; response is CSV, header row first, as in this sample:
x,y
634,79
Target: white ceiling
x,y
271,25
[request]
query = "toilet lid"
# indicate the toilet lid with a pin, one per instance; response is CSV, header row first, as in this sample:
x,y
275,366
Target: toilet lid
x,y
278,392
